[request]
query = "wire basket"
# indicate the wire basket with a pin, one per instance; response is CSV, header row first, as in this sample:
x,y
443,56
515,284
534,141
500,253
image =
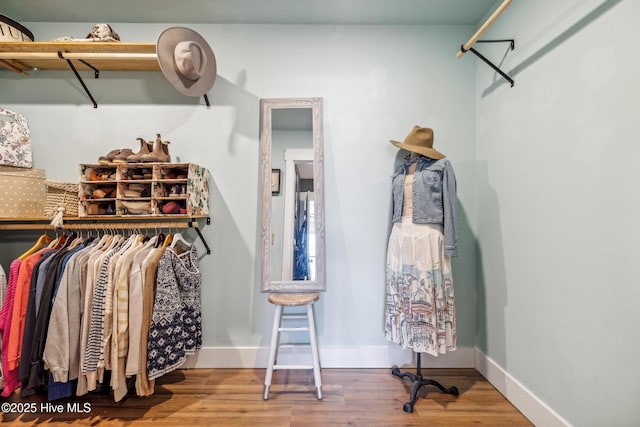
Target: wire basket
x,y
61,195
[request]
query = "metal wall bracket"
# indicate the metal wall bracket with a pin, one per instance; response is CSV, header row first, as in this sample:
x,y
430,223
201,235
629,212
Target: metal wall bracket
x,y
84,86
204,242
491,64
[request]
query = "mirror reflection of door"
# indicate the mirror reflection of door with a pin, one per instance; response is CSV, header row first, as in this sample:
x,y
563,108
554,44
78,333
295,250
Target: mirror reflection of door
x,y
292,227
303,224
298,260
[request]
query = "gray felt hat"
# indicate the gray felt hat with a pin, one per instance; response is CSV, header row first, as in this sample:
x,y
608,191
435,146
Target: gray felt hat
x,y
186,60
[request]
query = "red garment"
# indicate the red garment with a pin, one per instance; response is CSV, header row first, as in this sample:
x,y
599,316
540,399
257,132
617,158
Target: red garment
x,y
20,308
10,376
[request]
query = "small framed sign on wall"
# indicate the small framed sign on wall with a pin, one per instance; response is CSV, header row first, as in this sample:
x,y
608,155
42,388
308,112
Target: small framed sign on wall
x,y
275,181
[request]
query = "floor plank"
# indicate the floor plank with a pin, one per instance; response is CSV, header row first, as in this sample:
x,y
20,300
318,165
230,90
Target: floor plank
x,y
234,397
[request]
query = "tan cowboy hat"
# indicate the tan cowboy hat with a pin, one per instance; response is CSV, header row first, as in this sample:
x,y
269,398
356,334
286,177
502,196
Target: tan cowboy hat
x,y
420,140
186,60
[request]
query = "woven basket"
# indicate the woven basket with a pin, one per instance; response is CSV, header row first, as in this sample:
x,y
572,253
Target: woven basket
x,y
61,194
11,31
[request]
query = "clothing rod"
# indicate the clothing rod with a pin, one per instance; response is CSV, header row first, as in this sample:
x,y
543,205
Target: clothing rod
x,y
102,226
130,226
483,28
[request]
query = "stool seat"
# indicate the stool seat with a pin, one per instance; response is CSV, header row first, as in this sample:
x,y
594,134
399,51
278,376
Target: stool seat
x,y
282,300
293,300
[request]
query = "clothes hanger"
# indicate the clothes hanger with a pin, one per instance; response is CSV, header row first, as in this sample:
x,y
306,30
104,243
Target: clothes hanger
x,y
102,240
179,245
59,242
114,240
69,240
167,240
76,241
44,239
160,240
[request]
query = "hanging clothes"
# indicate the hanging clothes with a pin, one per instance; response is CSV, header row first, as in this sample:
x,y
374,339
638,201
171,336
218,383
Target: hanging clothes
x,y
60,354
3,287
136,307
119,347
37,283
10,376
176,323
88,285
301,248
145,385
301,258
3,293
20,308
89,314
96,315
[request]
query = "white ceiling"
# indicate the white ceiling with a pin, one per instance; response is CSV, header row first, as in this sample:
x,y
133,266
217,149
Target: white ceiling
x,y
341,12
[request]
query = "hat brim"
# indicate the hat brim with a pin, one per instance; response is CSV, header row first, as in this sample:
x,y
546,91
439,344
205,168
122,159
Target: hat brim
x,y
425,151
165,46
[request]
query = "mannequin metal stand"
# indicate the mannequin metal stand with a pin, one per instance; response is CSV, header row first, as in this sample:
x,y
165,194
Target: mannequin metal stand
x,y
418,382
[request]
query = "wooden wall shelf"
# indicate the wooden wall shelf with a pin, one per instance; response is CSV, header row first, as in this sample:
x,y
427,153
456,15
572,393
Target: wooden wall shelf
x,y
22,57
107,56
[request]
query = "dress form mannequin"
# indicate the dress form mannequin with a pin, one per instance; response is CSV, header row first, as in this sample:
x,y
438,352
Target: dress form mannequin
x,y
419,307
417,380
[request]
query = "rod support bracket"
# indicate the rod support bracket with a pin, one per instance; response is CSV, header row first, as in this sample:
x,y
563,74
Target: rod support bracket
x,y
512,45
194,224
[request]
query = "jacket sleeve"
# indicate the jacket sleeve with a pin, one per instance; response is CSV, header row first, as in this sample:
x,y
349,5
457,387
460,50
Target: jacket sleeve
x,y
450,205
394,201
390,222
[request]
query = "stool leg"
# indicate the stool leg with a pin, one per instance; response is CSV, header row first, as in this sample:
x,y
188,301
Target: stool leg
x,y
314,350
272,350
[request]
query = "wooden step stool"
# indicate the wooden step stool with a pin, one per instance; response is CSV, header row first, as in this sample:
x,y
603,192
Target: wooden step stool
x,y
293,300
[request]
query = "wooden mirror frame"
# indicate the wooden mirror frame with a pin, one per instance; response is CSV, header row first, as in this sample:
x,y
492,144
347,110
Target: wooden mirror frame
x,y
266,108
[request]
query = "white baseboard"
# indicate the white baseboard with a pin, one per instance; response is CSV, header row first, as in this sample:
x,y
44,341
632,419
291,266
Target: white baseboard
x,y
330,357
538,412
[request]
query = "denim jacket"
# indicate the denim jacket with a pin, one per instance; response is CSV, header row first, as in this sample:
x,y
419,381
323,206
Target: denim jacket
x,y
434,197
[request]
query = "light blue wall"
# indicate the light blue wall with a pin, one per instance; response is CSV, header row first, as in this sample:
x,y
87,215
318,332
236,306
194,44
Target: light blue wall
x,y
557,199
545,178
377,83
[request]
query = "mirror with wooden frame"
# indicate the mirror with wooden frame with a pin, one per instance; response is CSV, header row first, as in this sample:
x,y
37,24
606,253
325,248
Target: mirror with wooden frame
x,y
292,239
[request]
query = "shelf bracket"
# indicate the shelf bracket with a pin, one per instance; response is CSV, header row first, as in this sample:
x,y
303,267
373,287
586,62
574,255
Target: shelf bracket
x,y
491,64
96,72
204,241
84,86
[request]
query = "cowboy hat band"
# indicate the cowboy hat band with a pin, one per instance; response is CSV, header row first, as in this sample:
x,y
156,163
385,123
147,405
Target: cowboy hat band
x,y
186,60
420,140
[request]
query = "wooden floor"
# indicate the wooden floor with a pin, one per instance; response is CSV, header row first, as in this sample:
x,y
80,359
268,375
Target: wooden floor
x,y
234,397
